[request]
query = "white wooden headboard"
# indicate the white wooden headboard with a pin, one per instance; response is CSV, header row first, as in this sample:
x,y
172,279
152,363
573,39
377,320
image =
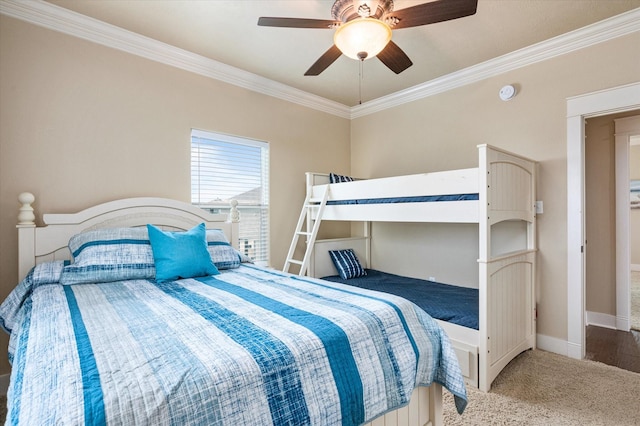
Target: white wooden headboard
x,y
50,242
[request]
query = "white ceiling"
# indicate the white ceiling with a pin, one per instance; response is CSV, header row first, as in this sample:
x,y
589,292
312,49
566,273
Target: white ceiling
x,y
227,31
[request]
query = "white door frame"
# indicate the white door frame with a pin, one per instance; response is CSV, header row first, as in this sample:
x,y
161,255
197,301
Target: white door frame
x,y
604,102
626,128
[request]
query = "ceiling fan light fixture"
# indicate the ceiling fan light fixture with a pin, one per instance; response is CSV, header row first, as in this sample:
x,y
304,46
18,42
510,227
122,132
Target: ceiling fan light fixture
x,y
362,37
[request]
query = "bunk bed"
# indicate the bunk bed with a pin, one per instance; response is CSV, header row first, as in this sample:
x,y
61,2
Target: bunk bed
x,y
246,345
501,190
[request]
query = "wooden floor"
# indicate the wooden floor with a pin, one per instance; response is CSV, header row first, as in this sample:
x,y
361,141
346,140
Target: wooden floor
x,y
614,347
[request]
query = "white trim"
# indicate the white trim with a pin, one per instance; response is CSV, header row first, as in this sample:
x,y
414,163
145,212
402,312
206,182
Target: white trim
x,y
575,237
63,20
552,344
618,99
625,128
611,100
4,384
622,227
223,137
601,320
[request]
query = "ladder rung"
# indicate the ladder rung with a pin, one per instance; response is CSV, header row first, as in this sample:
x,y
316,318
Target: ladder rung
x,y
311,206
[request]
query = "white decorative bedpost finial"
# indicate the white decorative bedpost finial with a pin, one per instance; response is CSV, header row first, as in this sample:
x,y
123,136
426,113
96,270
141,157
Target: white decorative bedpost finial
x,y
234,214
26,216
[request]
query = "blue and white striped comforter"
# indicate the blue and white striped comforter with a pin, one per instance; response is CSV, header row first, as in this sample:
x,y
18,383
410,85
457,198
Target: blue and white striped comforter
x,y
247,347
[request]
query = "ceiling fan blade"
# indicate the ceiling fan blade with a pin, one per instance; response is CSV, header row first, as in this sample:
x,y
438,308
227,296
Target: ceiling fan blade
x,y
296,23
324,61
432,12
394,58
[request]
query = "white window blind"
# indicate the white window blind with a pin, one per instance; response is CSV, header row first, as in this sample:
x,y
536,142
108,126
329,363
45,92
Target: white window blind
x,y
225,168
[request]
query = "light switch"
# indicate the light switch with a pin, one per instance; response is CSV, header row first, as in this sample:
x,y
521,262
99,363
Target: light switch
x,y
539,207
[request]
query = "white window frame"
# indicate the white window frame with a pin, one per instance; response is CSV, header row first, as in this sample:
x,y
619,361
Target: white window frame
x,y
263,256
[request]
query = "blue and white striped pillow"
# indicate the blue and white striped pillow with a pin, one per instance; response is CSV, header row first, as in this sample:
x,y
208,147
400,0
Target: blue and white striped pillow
x,y
109,254
336,178
347,264
224,256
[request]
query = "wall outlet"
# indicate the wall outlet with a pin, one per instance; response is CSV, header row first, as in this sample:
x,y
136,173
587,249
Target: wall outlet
x,y
432,278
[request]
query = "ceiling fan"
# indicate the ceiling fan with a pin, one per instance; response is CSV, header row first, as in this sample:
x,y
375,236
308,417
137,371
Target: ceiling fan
x,y
363,28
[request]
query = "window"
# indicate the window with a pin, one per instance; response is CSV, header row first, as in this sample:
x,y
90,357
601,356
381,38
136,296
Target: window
x,y
226,167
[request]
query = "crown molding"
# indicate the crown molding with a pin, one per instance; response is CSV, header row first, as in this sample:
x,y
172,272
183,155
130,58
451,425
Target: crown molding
x,y
56,18
599,32
59,19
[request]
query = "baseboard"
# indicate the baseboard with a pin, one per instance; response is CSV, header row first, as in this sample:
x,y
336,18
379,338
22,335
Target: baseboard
x,y
552,344
601,320
4,384
559,346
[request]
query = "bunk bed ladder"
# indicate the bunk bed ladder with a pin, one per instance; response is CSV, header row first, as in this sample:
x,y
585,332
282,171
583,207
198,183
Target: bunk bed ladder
x,y
307,227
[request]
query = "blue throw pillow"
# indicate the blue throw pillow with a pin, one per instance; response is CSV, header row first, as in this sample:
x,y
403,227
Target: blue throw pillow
x,y
347,264
181,254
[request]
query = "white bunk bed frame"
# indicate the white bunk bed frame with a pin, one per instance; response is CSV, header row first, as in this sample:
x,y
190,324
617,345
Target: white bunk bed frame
x,y
37,244
505,183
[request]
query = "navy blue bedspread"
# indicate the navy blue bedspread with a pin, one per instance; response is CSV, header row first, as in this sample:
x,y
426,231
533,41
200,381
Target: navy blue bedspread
x,y
454,304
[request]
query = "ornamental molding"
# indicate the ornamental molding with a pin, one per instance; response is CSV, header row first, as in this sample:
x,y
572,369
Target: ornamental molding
x,y
48,15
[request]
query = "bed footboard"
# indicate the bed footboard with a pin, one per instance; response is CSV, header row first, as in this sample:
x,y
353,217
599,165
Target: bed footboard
x,y
424,409
507,313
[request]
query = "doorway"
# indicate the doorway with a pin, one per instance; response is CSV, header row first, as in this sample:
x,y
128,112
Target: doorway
x,y
619,99
607,218
609,239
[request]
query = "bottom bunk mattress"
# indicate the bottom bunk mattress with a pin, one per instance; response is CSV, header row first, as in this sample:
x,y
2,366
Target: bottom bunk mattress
x,y
451,303
250,346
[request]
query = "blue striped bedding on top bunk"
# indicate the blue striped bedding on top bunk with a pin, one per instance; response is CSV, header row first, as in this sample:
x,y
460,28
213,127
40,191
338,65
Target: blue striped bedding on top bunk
x,y
415,199
249,346
454,304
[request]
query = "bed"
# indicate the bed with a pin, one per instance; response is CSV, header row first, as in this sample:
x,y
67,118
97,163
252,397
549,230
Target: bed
x,y
451,303
243,345
495,201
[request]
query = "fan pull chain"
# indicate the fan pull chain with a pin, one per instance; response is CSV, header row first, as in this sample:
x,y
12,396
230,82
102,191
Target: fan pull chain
x,y
360,77
362,56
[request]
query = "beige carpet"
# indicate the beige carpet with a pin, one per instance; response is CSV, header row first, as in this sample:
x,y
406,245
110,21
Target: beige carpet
x,y
635,300
542,388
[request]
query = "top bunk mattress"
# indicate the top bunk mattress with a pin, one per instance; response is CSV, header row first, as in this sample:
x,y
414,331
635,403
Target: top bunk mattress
x,y
416,199
451,303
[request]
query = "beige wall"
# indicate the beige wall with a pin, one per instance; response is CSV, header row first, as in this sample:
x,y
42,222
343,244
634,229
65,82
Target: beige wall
x,y
442,131
448,252
83,124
